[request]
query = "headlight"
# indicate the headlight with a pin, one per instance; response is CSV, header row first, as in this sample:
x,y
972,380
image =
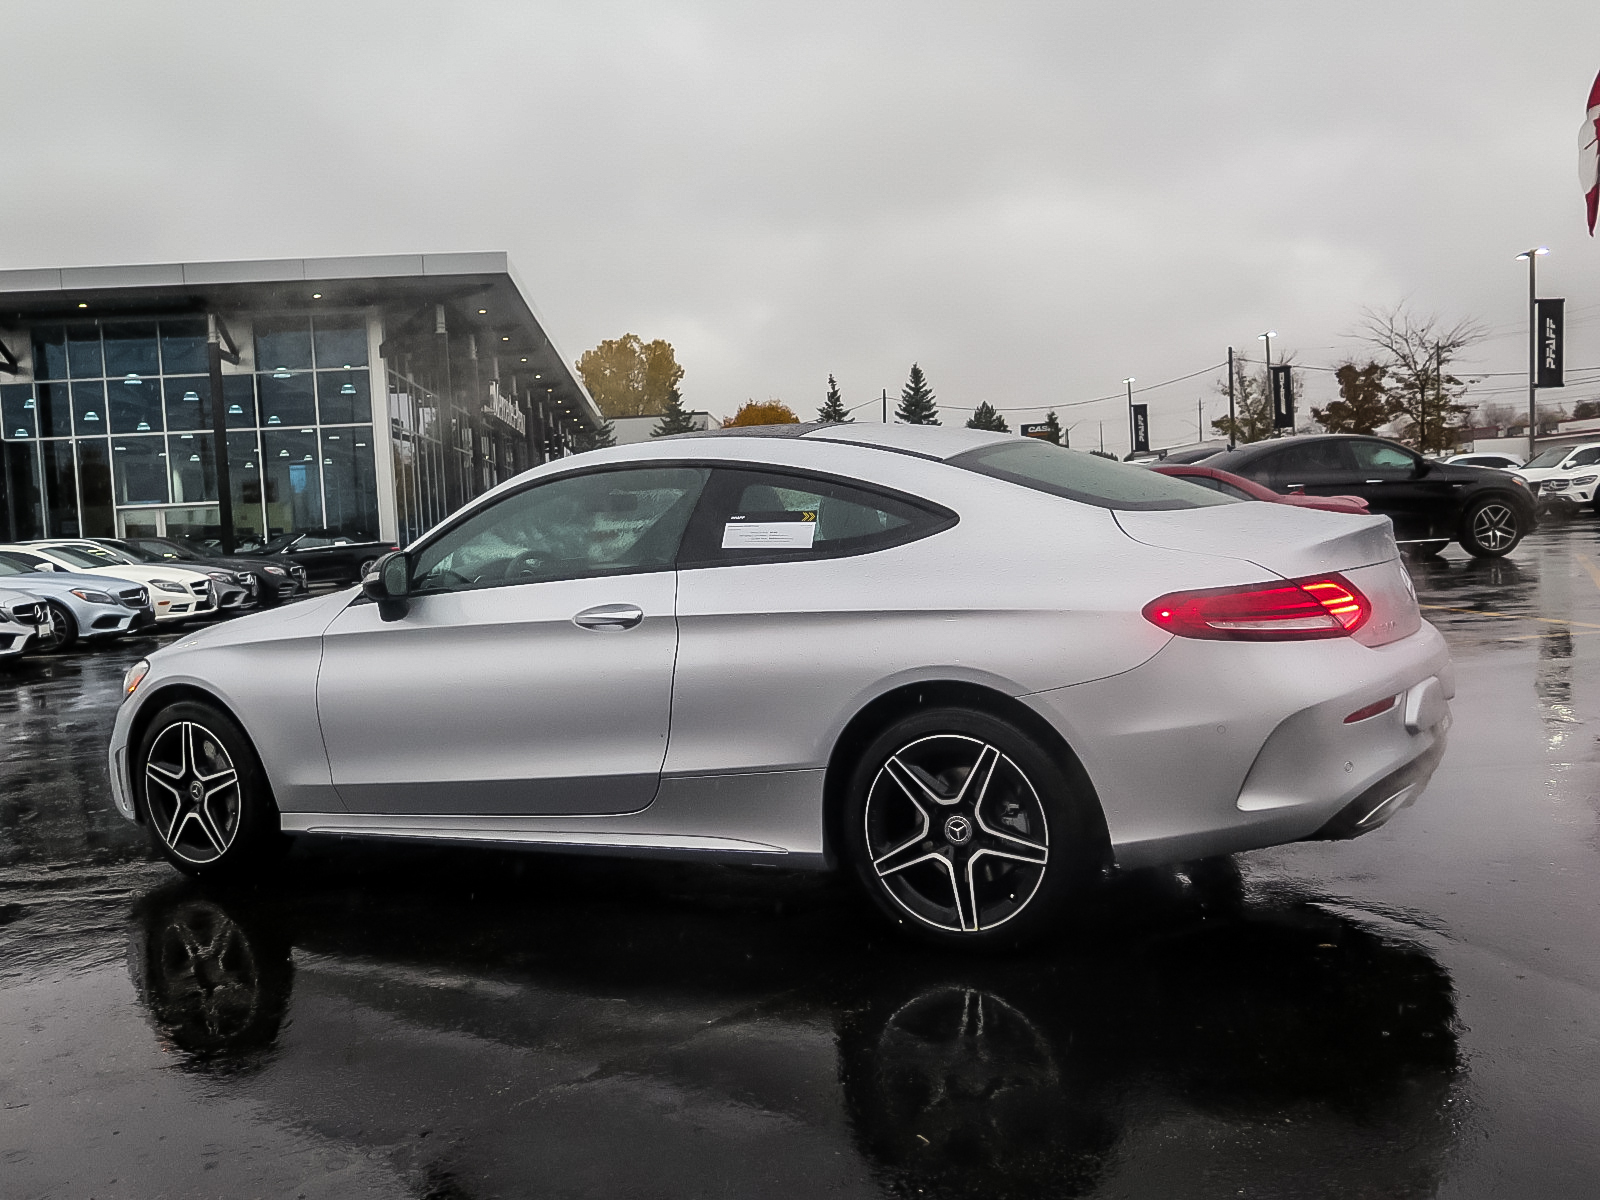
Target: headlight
x,y
274,570
134,676
92,597
221,576
166,585
1519,481
1584,480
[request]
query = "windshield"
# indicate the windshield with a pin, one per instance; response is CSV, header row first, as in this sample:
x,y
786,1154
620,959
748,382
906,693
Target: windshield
x,y
1549,458
139,554
1087,478
276,544
83,556
173,548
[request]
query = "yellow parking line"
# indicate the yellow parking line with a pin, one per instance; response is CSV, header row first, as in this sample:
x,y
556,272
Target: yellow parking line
x,y
1480,612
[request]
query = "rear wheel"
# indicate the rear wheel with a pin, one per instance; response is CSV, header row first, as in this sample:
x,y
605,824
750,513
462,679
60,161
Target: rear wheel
x,y
206,801
61,626
1490,528
965,831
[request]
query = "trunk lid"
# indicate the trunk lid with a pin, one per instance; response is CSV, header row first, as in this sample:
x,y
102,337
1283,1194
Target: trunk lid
x,y
1292,542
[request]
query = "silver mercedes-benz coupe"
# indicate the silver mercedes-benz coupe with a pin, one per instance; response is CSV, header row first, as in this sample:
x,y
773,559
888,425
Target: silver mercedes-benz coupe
x,y
974,670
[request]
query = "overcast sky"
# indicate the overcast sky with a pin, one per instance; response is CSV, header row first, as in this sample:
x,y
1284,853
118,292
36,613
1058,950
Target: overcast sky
x,y
1031,200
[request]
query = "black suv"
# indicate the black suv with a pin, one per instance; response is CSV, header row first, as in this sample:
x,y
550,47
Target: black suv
x,y
1431,503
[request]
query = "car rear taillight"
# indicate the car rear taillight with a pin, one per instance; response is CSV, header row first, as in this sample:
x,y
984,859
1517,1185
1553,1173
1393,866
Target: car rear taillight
x,y
1318,606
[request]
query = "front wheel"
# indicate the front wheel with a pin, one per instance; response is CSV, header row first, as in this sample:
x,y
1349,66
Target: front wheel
x,y
206,801
965,831
1491,528
63,629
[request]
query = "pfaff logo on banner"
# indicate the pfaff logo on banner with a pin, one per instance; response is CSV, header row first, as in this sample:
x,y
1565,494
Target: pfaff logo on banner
x,y
1550,322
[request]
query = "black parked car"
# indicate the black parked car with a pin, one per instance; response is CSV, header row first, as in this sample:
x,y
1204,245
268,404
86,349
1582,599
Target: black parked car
x,y
1430,503
274,584
327,555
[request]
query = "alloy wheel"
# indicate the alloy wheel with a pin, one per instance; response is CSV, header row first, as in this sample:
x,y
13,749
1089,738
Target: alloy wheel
x,y
192,792
956,833
56,630
1494,527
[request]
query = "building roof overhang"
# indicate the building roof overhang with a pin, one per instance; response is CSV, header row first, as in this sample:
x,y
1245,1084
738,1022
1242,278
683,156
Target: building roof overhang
x,y
480,289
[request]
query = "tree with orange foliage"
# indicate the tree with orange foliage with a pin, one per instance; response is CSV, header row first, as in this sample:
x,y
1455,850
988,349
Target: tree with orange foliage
x,y
773,412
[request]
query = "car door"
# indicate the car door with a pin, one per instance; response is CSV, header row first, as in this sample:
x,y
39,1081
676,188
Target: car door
x,y
531,672
1405,488
779,617
315,552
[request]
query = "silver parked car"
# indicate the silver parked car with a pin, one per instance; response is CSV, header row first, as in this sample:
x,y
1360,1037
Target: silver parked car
x,y
22,621
91,607
975,670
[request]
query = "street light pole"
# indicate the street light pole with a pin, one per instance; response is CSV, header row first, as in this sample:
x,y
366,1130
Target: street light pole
x,y
1267,338
1133,434
1533,344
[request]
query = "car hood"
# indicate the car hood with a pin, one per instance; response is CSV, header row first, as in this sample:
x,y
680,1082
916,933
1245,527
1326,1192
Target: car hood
x,y
305,619
146,575
1283,539
1540,474
54,581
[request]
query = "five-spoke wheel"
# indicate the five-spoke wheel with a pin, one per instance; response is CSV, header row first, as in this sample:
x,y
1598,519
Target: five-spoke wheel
x,y
1490,528
205,801
965,827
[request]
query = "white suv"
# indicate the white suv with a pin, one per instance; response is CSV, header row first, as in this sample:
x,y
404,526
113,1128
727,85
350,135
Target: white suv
x,y
1568,473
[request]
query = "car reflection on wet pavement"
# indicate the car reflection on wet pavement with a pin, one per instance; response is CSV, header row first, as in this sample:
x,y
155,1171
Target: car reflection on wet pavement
x,y
1410,1014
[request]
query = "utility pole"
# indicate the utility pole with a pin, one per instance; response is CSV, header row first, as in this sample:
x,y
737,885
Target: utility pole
x,y
1199,420
1133,434
1533,345
885,406
1233,421
219,433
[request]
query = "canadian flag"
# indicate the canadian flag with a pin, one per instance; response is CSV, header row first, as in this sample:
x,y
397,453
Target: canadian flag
x,y
1589,154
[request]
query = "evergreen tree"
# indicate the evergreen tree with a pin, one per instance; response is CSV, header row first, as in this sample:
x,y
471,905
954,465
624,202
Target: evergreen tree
x,y
1054,422
985,417
916,401
833,409
599,438
674,418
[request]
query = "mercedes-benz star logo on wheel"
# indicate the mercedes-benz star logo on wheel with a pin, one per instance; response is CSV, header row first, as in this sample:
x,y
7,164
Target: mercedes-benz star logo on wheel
x,y
958,829
197,790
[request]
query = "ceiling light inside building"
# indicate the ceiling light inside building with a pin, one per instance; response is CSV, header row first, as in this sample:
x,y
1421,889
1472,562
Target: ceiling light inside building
x,y
235,411
308,458
348,389
27,404
481,311
194,458
22,433
83,304
192,397
132,380
361,443
316,295
327,461
91,415
333,437
250,464
142,427
281,373
188,437
273,420
283,454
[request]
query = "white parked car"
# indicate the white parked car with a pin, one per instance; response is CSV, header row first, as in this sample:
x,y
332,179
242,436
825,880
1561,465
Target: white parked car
x,y
175,594
972,670
1500,462
24,620
1565,473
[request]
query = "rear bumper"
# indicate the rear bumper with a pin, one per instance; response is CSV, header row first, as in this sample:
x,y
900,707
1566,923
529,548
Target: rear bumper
x,y
1217,747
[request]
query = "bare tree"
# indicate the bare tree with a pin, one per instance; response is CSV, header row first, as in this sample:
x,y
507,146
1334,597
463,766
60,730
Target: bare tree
x,y
1417,352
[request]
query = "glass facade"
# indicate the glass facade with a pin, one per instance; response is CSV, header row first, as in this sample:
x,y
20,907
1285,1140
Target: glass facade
x,y
107,425
117,427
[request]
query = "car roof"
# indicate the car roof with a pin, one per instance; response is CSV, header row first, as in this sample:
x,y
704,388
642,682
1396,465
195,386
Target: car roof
x,y
924,441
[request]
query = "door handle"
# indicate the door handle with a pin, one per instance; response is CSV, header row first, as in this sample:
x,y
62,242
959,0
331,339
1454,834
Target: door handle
x,y
610,616
1295,487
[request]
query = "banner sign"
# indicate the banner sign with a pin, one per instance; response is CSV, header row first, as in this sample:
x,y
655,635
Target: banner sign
x,y
1282,396
1036,430
1141,428
1549,321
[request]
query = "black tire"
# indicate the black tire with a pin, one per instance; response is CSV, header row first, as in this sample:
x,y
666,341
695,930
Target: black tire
x,y
361,571
63,627
915,837
1491,527
205,800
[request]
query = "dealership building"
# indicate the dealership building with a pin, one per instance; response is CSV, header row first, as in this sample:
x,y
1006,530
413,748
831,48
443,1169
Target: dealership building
x,y
371,396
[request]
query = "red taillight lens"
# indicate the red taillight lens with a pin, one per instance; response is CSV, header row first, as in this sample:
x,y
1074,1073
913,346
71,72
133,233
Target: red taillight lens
x,y
1319,606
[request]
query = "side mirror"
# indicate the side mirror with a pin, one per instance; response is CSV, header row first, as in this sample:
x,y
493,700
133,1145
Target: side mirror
x,y
1422,468
389,583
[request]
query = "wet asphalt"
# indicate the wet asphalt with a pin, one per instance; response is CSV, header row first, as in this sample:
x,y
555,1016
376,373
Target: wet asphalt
x,y
1415,1013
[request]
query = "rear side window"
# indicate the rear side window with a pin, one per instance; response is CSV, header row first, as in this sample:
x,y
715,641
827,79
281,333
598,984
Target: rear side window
x,y
1586,458
1087,478
750,516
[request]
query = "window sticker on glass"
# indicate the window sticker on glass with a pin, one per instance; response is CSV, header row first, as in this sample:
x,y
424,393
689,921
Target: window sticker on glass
x,y
770,531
